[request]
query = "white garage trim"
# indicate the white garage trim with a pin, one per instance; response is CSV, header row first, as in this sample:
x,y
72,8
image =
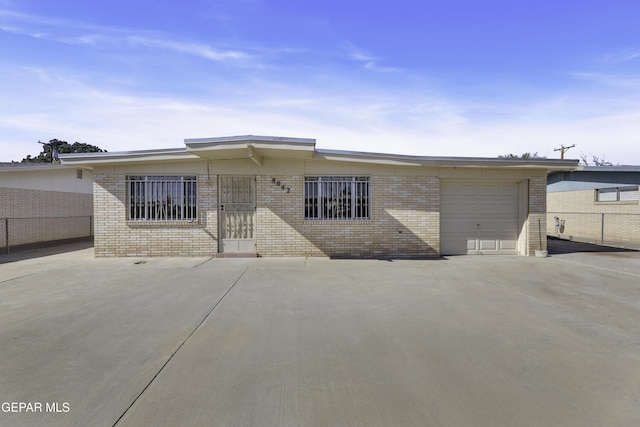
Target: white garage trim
x,y
479,218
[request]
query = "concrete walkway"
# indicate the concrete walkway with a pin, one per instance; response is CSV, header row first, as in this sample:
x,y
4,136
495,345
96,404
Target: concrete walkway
x,y
466,341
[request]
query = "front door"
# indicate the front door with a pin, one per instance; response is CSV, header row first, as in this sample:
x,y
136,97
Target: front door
x,y
237,214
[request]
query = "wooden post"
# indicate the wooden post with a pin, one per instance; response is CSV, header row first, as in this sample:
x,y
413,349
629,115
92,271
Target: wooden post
x,y
563,150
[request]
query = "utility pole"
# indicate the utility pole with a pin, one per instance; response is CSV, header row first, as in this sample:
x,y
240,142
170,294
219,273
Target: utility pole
x,y
563,150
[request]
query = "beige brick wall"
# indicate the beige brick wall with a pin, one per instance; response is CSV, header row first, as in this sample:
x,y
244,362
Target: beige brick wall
x,y
21,203
537,221
404,221
586,219
116,237
40,216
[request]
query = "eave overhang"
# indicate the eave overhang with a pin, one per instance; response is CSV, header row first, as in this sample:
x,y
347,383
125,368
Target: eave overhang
x,y
258,148
252,147
447,162
88,160
24,167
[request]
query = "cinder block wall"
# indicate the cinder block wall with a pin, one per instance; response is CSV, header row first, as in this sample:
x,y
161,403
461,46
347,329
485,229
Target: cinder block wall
x,y
41,215
117,237
404,221
584,220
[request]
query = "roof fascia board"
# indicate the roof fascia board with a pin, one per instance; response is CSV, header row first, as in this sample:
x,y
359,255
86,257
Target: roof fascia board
x,y
26,167
621,168
258,147
249,139
469,162
127,157
251,147
202,146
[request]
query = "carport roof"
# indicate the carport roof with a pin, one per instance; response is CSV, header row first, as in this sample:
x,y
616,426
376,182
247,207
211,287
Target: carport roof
x,y
257,148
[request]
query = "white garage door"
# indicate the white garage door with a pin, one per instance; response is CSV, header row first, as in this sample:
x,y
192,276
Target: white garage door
x,y
478,218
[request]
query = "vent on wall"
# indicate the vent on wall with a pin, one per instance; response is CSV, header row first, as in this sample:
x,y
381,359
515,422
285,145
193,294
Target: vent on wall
x,y
79,173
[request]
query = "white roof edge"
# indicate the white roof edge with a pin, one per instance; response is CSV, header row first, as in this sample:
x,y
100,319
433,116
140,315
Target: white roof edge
x,y
104,154
35,167
194,145
616,168
250,139
126,156
561,164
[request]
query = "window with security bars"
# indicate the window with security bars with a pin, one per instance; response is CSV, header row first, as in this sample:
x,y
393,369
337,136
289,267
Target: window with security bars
x,y
337,198
162,198
620,194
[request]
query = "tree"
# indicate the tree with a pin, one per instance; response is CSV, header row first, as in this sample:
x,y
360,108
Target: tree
x,y
595,160
51,149
524,156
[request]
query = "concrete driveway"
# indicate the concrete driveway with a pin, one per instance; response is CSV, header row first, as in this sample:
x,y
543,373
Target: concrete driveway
x,y
464,341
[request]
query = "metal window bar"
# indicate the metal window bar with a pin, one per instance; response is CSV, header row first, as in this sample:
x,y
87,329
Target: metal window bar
x,y
162,198
337,198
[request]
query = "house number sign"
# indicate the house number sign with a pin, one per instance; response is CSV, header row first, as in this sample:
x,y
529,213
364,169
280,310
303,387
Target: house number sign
x,y
281,185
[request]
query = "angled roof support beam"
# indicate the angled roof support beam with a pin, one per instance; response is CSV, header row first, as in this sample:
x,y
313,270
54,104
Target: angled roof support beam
x,y
254,156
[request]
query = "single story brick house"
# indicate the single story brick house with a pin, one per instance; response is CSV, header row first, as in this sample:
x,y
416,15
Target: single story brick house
x,y
275,196
44,202
599,204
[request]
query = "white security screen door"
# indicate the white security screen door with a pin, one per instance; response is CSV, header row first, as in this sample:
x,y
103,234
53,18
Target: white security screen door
x,y
237,214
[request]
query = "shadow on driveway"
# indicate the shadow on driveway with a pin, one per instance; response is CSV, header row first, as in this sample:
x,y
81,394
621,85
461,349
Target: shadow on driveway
x,y
44,249
557,246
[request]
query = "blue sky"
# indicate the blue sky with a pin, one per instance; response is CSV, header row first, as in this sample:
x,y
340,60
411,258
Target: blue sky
x,y
441,78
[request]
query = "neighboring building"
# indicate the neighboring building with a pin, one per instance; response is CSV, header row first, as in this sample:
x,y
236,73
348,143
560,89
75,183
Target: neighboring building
x,y
270,196
43,203
595,204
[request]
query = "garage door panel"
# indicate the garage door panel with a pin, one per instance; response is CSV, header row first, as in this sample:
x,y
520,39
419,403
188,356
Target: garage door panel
x,y
479,218
487,191
463,230
508,245
487,211
488,245
458,207
496,227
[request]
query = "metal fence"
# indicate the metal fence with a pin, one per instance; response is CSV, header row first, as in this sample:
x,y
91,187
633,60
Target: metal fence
x,y
611,229
15,232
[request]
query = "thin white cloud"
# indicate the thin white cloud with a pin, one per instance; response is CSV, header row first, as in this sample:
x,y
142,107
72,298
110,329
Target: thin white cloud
x,y
342,112
621,56
366,59
77,33
367,120
633,55
196,49
623,82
